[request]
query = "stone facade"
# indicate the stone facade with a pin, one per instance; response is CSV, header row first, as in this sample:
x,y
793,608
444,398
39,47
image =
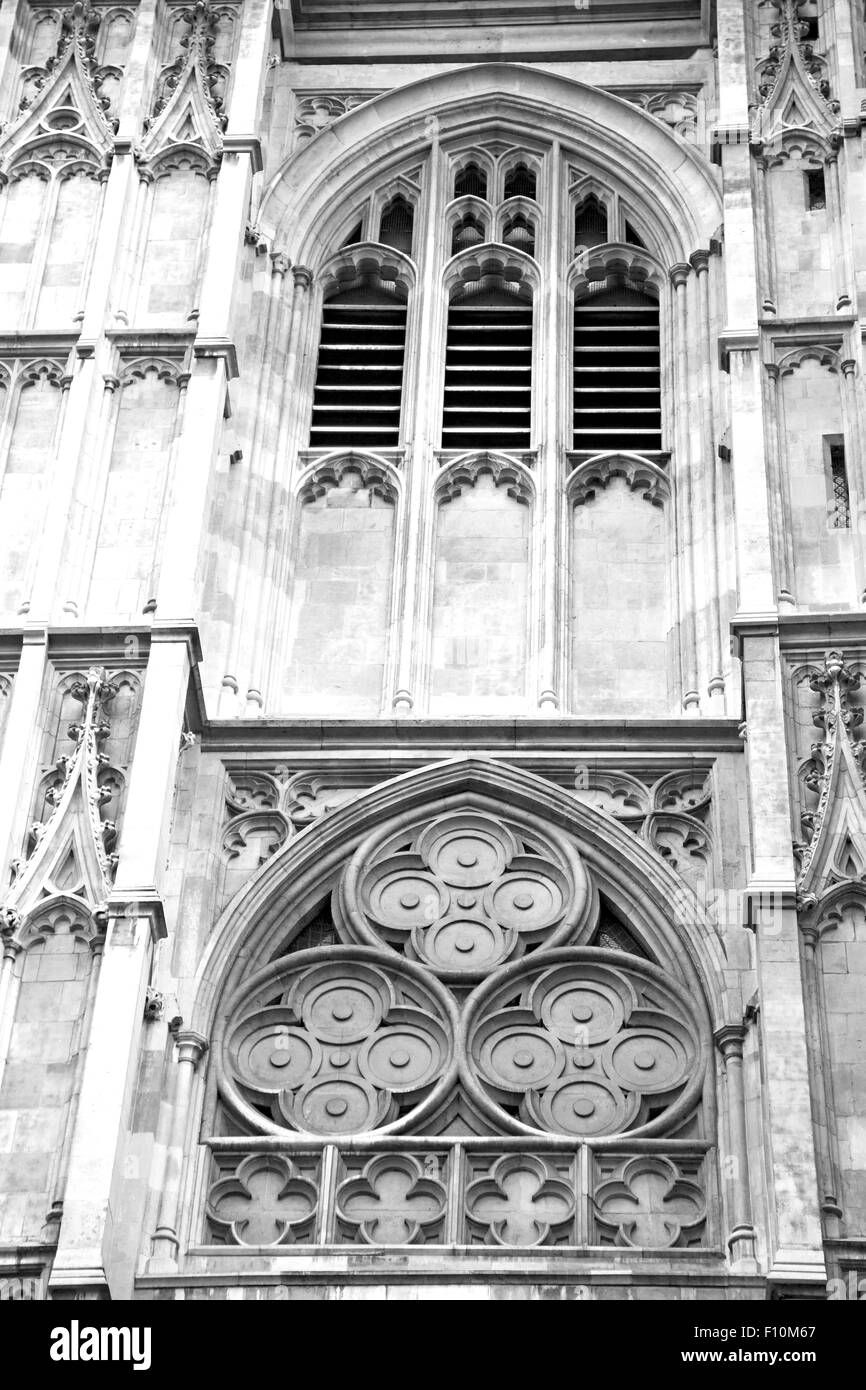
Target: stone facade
x,y
434,831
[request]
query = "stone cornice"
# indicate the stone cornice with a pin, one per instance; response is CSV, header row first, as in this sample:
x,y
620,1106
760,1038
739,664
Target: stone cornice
x,y
567,740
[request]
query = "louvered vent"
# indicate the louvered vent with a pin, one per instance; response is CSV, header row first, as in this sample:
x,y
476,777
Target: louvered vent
x,y
590,222
617,383
395,227
488,370
520,182
519,232
471,180
468,232
359,377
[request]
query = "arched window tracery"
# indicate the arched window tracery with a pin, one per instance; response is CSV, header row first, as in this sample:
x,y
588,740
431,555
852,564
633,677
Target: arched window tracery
x,y
461,983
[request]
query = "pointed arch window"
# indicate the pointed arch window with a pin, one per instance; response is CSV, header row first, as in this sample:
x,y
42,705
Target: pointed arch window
x,y
520,182
590,222
617,369
471,181
488,365
468,232
519,232
359,375
396,224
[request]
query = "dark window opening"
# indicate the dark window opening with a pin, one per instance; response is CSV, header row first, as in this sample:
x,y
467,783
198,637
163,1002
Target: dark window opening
x,y
617,371
468,232
840,500
612,934
590,222
632,237
359,375
354,236
395,227
816,195
520,182
520,233
488,370
471,180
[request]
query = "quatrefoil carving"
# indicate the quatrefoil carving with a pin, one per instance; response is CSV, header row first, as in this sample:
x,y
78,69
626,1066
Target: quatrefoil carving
x,y
650,1205
265,1202
393,1202
466,895
583,1047
519,1202
330,1042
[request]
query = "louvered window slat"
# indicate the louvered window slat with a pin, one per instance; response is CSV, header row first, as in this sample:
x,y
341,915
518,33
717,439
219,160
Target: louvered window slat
x,y
359,377
617,372
488,374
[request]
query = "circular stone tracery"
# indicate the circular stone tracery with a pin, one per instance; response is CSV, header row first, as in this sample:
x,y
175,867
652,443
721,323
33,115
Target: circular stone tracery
x,y
585,1043
466,896
356,1039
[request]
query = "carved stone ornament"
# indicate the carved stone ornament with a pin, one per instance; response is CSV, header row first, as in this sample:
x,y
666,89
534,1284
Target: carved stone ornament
x,y
519,1202
75,825
835,852
63,99
465,894
792,85
393,1202
585,1045
188,105
649,1204
338,1041
581,1042
265,1202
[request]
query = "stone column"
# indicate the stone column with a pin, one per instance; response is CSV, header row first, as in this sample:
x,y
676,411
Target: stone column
x,y
58,1186
691,699
548,696
419,515
780,502
838,240
270,611
84,1264
8,985
19,745
826,1147
856,469
253,559
795,1242
700,260
191,1047
735,1168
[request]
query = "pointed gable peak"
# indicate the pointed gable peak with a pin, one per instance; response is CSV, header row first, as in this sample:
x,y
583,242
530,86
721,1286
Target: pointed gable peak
x,y
188,109
793,88
70,850
836,853
66,104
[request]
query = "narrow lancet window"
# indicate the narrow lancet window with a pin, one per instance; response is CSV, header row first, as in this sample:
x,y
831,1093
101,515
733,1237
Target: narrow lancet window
x,y
359,376
488,367
617,383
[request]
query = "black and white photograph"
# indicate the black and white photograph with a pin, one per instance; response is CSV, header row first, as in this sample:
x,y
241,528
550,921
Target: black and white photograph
x,y
432,673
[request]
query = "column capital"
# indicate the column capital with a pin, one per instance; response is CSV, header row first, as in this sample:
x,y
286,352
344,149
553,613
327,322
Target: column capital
x,y
302,276
700,261
191,1046
729,1039
679,274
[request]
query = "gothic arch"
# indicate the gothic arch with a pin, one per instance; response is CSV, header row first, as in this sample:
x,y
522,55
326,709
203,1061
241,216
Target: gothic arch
x,y
376,474
674,189
631,875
